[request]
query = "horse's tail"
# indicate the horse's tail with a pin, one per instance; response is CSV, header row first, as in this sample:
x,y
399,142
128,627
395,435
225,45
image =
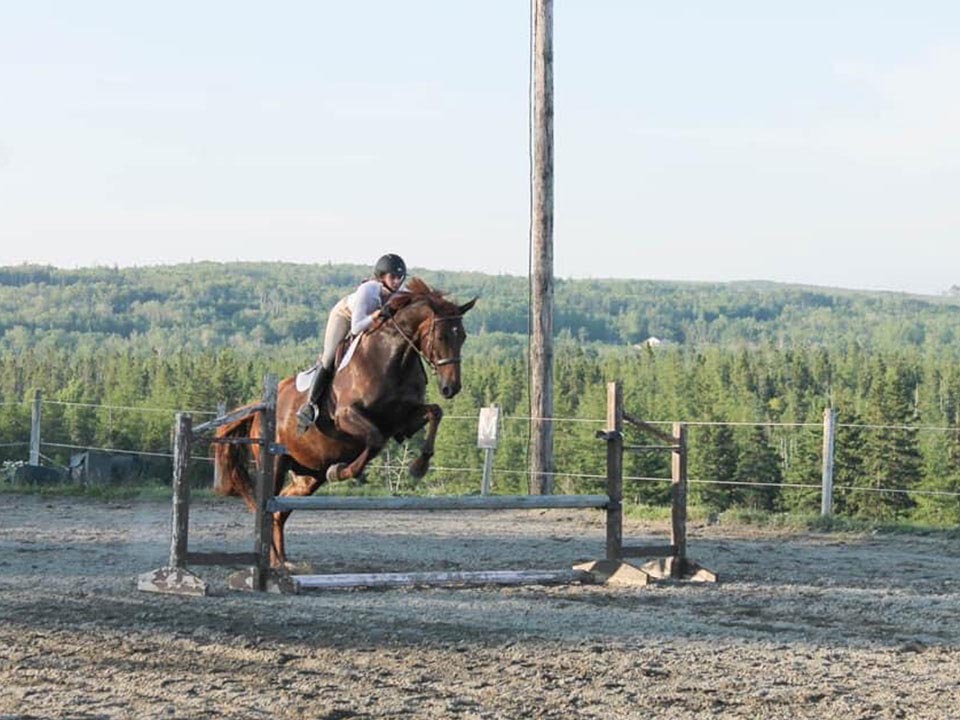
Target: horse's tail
x,y
231,460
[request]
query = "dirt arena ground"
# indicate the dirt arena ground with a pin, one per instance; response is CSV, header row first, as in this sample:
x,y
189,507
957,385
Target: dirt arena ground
x,y
801,626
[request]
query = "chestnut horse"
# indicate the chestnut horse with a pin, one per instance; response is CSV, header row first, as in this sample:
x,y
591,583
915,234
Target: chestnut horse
x,y
378,395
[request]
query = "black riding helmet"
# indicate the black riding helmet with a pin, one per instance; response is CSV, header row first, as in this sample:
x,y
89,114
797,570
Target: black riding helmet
x,y
390,263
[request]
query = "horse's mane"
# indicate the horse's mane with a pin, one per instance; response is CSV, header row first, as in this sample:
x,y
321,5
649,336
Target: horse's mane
x,y
418,291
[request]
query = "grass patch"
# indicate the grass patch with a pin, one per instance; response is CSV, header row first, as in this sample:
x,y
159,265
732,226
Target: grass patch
x,y
146,491
831,523
655,513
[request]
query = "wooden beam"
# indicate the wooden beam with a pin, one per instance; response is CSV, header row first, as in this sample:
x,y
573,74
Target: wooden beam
x,y
450,502
263,530
647,427
410,579
678,492
181,491
641,448
240,414
614,437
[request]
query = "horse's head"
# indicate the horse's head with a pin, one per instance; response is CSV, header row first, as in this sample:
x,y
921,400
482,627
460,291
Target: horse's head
x,y
438,333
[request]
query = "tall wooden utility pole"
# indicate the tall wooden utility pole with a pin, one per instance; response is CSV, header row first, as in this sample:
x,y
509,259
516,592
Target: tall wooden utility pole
x,y
541,302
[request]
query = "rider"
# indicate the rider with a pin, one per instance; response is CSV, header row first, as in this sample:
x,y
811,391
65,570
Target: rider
x,y
353,314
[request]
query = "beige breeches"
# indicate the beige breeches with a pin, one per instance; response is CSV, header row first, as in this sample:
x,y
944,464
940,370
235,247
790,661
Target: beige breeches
x,y
337,328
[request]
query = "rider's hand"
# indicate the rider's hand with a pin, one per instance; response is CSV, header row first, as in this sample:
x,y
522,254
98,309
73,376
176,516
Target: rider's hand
x,y
386,312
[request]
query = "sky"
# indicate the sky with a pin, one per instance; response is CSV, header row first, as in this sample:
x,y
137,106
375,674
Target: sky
x,y
812,142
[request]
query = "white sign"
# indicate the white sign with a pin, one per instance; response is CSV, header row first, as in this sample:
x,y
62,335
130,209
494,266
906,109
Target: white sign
x,y
488,427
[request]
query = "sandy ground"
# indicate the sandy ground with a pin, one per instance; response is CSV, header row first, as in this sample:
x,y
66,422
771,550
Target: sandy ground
x,y
801,626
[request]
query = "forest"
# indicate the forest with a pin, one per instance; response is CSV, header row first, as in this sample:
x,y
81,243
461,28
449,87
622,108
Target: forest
x,y
751,366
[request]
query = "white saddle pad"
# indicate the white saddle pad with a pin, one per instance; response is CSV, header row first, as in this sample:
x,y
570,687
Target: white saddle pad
x,y
305,378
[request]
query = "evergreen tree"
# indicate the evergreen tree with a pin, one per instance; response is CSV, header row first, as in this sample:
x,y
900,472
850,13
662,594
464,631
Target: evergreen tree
x,y
803,470
893,463
940,501
849,461
758,472
713,464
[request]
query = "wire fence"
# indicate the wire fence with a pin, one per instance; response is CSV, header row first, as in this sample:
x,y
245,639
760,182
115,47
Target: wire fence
x,y
567,441
127,408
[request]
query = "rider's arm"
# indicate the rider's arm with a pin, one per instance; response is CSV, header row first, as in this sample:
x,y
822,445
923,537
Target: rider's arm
x,y
364,304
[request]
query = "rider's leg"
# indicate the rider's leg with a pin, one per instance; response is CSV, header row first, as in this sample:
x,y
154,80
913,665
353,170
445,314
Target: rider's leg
x,y
337,328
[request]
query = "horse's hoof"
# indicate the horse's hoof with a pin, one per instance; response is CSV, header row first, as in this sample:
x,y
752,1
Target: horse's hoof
x,y
418,468
303,567
333,472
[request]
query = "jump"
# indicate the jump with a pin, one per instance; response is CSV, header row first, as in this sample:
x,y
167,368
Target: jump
x,y
377,394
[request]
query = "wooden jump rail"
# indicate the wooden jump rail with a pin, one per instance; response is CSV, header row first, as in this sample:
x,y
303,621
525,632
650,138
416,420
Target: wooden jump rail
x,y
671,559
441,502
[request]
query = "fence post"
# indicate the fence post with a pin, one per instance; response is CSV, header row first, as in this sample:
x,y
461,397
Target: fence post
x,y
487,480
217,479
614,436
829,440
678,510
175,578
35,429
181,490
264,519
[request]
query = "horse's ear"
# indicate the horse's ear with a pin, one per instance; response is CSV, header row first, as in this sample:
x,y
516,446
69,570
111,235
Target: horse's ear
x,y
466,306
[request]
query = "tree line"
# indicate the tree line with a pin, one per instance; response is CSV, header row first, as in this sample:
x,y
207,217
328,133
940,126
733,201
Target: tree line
x,y
253,306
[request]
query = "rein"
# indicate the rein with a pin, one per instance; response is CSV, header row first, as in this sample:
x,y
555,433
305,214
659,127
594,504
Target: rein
x,y
434,364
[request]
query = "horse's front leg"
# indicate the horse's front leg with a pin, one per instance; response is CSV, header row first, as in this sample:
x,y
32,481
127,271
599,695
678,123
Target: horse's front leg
x,y
353,422
426,414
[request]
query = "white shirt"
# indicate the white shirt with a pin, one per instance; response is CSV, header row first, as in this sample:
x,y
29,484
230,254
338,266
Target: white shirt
x,y
362,303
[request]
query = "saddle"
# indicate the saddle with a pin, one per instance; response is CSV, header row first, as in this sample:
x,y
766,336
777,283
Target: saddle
x,y
340,359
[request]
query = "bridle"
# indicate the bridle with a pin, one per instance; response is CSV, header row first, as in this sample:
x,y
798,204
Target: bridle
x,y
434,364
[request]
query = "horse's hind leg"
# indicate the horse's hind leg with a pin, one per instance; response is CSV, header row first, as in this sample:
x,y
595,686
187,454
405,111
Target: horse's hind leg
x,y
300,485
277,549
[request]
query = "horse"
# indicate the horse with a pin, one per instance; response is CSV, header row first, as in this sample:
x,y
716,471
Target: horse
x,y
378,395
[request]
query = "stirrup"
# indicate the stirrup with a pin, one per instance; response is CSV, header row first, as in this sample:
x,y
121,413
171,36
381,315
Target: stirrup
x,y
306,416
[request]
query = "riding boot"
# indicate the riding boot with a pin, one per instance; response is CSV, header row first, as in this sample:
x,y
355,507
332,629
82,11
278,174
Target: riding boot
x,y
307,415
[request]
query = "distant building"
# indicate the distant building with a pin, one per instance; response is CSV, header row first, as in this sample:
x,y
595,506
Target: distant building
x,y
100,468
649,342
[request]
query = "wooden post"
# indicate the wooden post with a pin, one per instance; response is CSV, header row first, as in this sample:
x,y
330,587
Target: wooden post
x,y
487,481
181,490
217,480
35,429
678,510
614,435
174,577
829,439
264,519
541,291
